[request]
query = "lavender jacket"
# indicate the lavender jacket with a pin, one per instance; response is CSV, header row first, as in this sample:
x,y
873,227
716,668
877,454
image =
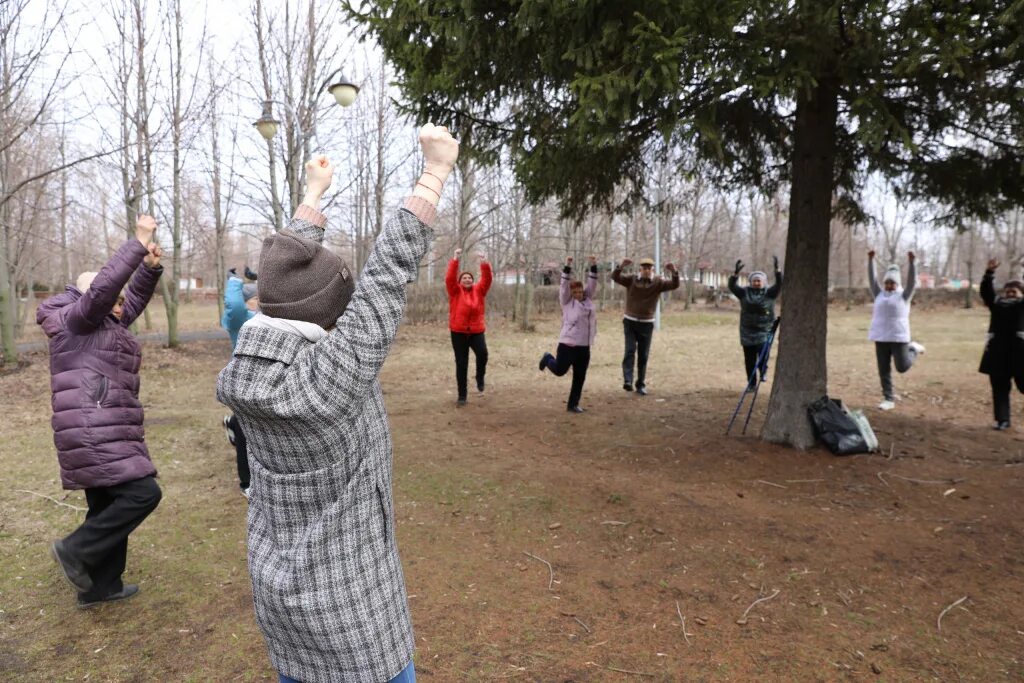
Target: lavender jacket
x,y
94,374
579,319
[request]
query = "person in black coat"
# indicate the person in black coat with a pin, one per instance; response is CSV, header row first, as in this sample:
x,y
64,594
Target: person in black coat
x,y
757,312
1004,352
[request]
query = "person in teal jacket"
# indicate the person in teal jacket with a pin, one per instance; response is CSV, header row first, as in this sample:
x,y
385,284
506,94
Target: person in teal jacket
x,y
241,302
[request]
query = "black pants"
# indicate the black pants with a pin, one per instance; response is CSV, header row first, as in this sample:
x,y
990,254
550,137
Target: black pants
x,y
577,358
1001,385
101,543
750,356
241,454
461,344
638,344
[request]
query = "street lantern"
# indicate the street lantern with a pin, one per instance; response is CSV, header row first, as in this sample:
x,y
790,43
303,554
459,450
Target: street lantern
x,y
344,92
267,124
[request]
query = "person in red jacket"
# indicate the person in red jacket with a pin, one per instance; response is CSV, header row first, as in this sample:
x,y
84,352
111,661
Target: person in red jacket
x,y
466,319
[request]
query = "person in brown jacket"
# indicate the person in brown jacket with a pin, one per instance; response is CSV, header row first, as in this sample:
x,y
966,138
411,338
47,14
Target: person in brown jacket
x,y
642,292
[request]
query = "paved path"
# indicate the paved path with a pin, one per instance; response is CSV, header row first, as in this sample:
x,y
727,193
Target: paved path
x,y
195,335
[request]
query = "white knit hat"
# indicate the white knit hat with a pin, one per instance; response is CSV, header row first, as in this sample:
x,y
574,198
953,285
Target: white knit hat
x,y
892,274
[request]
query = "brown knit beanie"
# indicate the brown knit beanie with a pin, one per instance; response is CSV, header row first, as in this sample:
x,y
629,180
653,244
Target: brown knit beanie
x,y
301,280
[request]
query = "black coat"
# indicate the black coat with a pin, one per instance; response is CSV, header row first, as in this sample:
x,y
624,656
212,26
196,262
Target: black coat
x,y
1004,352
757,310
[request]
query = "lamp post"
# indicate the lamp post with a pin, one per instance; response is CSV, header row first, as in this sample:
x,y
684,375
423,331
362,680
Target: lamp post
x,y
343,90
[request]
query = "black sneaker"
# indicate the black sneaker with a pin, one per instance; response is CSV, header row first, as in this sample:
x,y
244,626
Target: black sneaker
x,y
128,591
480,385
461,401
1002,426
574,409
641,390
74,571
544,361
627,386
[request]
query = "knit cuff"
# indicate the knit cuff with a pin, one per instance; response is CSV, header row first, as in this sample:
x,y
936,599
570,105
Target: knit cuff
x,y
310,215
422,209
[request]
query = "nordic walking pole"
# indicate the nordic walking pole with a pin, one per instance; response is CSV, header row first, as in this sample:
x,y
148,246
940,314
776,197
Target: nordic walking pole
x,y
761,369
755,379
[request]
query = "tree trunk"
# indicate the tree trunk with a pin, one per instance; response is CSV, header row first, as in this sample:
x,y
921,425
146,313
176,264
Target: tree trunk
x,y
802,374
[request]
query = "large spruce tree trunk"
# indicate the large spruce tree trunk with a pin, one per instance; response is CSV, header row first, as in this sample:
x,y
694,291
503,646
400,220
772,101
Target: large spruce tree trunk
x,y
801,375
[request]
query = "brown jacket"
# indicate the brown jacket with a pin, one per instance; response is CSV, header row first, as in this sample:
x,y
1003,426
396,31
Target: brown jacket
x,y
642,295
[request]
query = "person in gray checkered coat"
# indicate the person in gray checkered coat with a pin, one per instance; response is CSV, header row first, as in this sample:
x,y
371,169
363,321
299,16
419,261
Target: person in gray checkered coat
x,y
327,580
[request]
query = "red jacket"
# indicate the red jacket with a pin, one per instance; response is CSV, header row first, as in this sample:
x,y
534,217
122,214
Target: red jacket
x,y
466,306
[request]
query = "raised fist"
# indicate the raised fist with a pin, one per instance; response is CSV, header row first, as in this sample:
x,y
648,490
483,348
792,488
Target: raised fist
x,y
593,260
440,149
319,174
568,260
992,264
626,262
145,226
458,254
152,259
481,256
911,256
251,274
739,266
871,254
670,267
775,260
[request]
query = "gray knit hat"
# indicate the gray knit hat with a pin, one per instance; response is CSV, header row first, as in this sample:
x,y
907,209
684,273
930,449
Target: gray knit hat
x,y
249,291
301,280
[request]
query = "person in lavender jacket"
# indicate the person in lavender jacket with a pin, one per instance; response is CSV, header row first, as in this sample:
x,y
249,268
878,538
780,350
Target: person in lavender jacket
x,y
579,327
97,416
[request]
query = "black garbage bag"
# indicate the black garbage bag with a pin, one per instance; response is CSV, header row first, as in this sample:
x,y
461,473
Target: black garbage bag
x,y
842,431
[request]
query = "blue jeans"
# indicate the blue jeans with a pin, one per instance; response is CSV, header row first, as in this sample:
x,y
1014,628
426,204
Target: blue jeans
x,y
408,675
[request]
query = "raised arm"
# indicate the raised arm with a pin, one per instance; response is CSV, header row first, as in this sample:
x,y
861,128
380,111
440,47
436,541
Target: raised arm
x,y
988,289
564,291
774,290
342,367
872,282
908,291
734,282
617,274
143,284
98,300
486,276
451,275
673,282
591,286
235,311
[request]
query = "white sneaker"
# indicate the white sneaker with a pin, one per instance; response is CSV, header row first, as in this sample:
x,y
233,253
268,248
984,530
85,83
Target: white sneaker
x,y
886,405
916,348
245,492
228,431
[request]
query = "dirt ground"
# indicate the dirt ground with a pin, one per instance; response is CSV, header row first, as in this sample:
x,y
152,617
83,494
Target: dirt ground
x,y
543,546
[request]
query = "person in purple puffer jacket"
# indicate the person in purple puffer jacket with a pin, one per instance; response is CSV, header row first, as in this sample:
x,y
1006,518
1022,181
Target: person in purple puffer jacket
x,y
579,327
97,416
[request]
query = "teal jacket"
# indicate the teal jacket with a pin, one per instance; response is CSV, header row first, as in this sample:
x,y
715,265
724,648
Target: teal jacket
x,y
235,310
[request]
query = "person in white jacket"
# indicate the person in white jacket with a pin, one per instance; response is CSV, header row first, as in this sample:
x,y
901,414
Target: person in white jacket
x,y
890,324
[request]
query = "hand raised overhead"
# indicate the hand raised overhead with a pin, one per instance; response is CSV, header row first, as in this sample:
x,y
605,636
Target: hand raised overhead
x,y
145,226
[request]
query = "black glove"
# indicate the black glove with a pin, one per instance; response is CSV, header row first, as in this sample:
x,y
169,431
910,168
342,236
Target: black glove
x,y
739,266
232,271
250,274
593,268
566,269
776,260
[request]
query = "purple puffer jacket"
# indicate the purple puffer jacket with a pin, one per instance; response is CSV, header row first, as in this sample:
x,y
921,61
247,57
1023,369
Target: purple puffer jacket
x,y
579,319
94,374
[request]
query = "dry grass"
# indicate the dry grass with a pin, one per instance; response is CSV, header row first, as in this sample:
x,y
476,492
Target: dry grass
x,y
637,504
